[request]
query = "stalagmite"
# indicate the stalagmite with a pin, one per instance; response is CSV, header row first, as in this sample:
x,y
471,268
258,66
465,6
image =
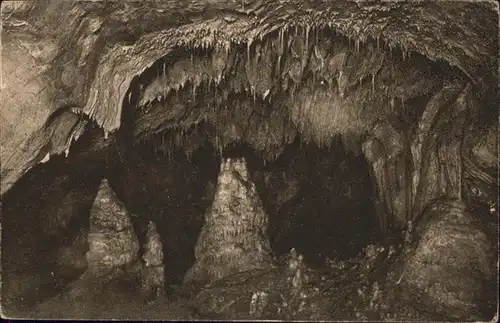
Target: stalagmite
x,y
153,277
113,245
451,261
237,212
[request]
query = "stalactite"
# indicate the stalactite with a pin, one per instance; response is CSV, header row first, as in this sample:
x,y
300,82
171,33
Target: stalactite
x,y
306,30
316,33
249,44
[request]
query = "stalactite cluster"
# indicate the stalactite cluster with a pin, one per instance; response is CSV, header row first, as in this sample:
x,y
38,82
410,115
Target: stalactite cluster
x,y
313,79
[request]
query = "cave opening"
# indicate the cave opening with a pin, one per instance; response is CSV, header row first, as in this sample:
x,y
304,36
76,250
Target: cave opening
x,y
320,200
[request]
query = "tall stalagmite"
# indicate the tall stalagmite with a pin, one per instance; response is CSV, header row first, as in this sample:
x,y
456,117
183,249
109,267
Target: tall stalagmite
x,y
234,237
113,244
112,240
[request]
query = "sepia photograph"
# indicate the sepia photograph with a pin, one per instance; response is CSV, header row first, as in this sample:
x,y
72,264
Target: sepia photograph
x,y
283,160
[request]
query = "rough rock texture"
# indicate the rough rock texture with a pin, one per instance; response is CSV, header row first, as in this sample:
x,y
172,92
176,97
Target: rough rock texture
x,y
452,264
292,291
258,71
153,274
234,236
480,166
112,245
112,240
440,145
280,293
85,54
66,63
388,158
72,258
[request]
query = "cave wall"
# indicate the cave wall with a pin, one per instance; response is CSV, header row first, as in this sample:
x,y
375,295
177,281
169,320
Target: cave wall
x,y
45,221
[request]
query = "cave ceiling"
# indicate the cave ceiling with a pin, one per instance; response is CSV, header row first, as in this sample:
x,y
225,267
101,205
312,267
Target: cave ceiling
x,y
320,68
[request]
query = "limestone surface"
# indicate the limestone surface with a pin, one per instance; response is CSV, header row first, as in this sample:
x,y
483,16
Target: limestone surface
x,y
112,239
234,236
448,270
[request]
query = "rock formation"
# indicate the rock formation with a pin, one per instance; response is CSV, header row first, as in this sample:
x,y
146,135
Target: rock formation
x,y
411,86
153,273
112,240
113,245
234,236
450,268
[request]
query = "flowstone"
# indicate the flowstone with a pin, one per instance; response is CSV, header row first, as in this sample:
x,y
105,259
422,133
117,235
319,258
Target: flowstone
x,y
234,236
452,263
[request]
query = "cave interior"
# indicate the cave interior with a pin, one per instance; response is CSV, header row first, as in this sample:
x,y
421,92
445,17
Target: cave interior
x,y
326,128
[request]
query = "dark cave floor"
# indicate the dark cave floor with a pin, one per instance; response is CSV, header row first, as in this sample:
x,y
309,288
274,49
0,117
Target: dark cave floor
x,y
117,299
352,289
362,288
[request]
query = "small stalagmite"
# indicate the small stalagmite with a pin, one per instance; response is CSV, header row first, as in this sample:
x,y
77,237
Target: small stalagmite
x,y
234,236
112,240
153,277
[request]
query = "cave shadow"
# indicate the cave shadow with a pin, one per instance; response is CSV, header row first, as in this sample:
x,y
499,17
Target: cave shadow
x,y
320,200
